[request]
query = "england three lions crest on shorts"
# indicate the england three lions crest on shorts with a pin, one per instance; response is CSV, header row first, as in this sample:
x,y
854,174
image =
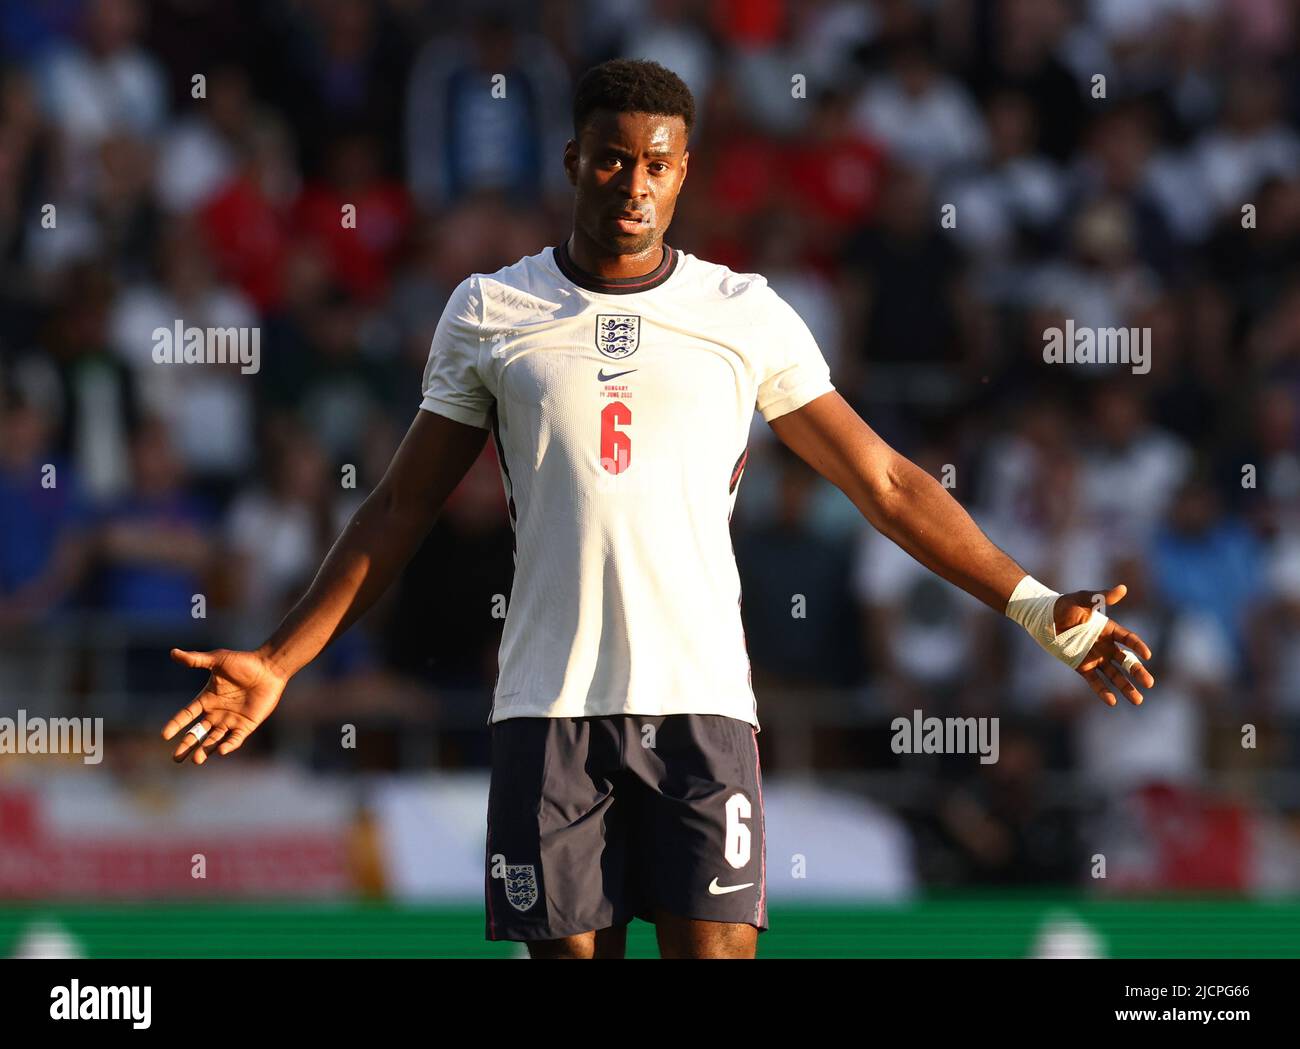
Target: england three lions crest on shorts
x,y
521,885
618,334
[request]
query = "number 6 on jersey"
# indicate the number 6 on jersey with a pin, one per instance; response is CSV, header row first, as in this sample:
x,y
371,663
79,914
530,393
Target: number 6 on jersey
x,y
615,444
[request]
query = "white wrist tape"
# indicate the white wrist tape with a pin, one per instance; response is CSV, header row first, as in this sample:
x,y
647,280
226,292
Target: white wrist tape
x,y
1031,606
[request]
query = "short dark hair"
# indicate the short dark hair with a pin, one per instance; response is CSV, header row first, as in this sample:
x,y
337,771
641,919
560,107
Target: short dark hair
x,y
628,85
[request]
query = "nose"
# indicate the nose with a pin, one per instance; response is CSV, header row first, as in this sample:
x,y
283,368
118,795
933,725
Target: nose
x,y
636,183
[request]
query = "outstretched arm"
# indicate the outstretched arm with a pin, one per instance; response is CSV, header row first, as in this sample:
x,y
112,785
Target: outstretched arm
x,y
382,536
910,507
245,687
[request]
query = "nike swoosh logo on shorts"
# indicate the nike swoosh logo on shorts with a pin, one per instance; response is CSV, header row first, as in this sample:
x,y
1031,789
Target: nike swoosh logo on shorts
x,y
605,378
717,890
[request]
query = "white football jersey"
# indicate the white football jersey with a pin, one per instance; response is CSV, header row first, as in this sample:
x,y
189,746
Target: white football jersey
x,y
621,411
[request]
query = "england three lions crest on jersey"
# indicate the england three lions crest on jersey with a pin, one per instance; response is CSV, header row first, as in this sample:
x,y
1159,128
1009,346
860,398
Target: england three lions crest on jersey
x,y
618,334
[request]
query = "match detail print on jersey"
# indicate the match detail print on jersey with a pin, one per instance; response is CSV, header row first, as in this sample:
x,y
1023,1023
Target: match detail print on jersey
x,y
621,480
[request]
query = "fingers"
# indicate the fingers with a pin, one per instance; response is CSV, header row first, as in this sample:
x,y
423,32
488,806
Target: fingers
x,y
1106,666
1112,671
1116,594
203,731
1130,640
184,716
1116,635
199,660
190,743
234,741
204,750
1099,685
222,731
1134,669
207,736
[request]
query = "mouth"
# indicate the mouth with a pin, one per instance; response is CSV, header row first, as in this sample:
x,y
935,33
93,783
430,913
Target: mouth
x,y
631,223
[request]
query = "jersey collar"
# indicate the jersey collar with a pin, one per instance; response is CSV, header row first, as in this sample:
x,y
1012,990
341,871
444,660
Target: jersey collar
x,y
616,285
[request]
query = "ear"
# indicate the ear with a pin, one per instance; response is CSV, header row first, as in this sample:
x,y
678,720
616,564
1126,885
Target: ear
x,y
571,161
686,159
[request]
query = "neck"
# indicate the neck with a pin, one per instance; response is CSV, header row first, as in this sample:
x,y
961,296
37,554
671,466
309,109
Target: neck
x,y
621,274
592,259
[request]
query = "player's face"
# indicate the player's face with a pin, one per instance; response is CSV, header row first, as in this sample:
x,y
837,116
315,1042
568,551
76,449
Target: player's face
x,y
627,170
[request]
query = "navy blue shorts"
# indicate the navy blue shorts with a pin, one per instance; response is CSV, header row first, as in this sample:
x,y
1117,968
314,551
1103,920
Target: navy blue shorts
x,y
595,821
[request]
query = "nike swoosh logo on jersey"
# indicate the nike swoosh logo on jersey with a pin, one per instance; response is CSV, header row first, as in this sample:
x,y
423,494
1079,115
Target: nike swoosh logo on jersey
x,y
717,890
605,378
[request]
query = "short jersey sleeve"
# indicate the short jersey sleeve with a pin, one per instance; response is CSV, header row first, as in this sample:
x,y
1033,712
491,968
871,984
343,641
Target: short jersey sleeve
x,y
452,386
791,368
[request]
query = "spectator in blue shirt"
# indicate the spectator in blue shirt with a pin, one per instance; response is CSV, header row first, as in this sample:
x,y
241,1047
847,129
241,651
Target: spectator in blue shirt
x,y
43,518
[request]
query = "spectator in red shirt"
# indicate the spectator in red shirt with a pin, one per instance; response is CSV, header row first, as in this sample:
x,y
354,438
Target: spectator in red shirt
x,y
246,221
736,180
361,243
834,172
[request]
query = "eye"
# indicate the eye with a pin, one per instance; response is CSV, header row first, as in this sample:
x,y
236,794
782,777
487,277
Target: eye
x,y
660,166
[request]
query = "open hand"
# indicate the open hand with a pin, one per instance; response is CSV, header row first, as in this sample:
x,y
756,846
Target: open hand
x,y
242,690
1106,664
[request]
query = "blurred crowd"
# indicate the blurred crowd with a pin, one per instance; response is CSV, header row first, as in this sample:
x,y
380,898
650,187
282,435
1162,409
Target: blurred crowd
x,y
932,184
